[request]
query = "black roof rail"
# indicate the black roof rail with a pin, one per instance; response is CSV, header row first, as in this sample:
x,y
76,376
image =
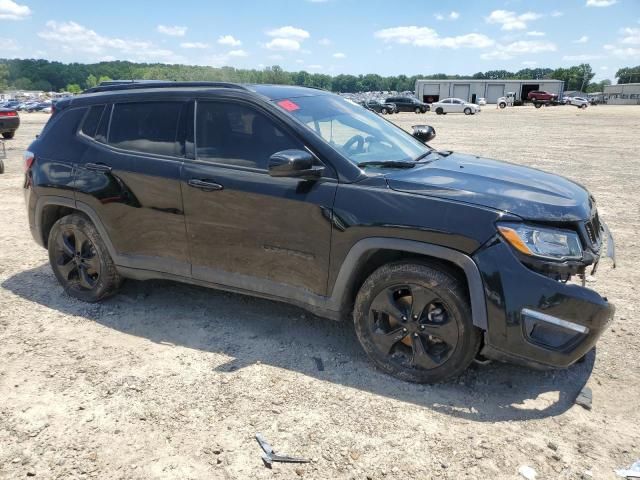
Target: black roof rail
x,y
115,85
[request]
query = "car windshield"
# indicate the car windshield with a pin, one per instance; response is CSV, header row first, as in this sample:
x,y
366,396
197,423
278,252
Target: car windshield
x,y
359,134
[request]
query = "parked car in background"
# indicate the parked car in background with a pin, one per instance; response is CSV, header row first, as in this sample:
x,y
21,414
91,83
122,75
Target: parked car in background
x,y
482,101
454,105
380,107
408,104
9,122
579,102
541,95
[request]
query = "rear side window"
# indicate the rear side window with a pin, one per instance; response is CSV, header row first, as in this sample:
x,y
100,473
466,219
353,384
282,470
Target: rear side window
x,y
234,134
148,127
91,120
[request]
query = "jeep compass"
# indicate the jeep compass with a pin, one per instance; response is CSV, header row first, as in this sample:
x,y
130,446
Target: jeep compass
x,y
298,195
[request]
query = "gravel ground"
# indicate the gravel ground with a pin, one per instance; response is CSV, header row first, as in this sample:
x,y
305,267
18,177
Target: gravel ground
x,y
173,381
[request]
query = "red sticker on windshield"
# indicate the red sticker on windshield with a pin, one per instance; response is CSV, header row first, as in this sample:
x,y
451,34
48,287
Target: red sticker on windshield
x,y
288,105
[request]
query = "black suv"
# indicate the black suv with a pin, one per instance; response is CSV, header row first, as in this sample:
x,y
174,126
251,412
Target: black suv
x,y
408,104
299,195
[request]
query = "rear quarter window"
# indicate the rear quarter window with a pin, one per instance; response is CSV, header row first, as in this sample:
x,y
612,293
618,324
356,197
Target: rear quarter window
x,y
91,120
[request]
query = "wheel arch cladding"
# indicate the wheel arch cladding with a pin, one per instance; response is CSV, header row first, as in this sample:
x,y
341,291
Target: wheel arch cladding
x,y
369,254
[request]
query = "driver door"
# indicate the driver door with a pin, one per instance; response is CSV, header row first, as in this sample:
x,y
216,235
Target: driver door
x,y
247,229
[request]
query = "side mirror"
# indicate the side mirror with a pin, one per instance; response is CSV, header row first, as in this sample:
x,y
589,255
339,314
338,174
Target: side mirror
x,y
294,163
424,133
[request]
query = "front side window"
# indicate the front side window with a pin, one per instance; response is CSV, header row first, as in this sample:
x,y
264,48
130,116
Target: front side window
x,y
235,134
359,134
148,127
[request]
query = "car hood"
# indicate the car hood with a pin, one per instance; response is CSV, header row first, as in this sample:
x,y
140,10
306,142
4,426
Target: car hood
x,y
526,192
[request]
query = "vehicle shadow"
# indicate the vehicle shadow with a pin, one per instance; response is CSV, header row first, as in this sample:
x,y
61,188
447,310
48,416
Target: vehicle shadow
x,y
253,330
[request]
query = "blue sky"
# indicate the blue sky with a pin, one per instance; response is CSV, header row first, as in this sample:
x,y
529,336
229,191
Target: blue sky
x,y
331,36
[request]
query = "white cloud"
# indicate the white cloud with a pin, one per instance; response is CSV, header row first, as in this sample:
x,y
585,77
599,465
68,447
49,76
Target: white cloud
x,y
506,52
582,39
314,67
557,13
324,42
604,68
9,44
529,63
10,10
238,53
600,3
194,45
585,57
72,37
229,40
534,33
631,36
624,53
339,55
511,20
427,37
289,32
275,57
453,15
172,30
286,44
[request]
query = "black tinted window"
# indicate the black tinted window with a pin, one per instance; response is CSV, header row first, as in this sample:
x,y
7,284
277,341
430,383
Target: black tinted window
x,y
91,120
149,127
238,135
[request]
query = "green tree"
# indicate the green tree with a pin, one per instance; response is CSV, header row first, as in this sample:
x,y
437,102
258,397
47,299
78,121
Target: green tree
x,y
91,81
73,88
23,83
628,75
4,76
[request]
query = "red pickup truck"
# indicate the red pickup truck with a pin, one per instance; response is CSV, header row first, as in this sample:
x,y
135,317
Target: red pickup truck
x,y
541,95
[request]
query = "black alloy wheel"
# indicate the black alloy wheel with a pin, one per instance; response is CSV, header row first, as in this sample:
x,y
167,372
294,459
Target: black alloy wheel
x,y
412,326
80,259
76,258
414,322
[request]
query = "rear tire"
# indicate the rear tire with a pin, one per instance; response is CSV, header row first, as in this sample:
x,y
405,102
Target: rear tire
x,y
583,106
502,105
384,111
80,259
1,167
9,135
418,110
414,322
537,105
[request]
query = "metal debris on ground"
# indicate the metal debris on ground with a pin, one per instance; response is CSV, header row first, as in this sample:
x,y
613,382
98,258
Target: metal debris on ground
x,y
584,398
632,472
269,455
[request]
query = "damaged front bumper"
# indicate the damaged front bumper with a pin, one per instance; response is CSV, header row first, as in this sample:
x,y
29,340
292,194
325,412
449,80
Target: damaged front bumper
x,y
534,319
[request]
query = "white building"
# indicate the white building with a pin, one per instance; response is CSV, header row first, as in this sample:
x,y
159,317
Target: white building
x,y
471,90
622,94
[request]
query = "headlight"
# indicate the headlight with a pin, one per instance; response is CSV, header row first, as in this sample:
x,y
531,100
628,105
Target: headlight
x,y
541,242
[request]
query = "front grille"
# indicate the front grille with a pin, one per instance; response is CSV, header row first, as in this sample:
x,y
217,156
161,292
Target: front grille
x,y
593,229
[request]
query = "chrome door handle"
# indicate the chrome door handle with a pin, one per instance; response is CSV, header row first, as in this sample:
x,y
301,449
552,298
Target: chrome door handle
x,y
206,185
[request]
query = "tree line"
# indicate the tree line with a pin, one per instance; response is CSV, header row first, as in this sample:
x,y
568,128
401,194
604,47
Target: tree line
x,y
32,74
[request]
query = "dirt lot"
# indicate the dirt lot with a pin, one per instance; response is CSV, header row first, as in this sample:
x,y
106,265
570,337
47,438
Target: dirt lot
x,y
173,381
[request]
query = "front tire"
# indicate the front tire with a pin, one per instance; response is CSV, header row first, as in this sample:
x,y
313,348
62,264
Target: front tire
x,y
584,105
467,111
418,110
502,105
439,111
538,105
80,259
384,111
9,135
414,322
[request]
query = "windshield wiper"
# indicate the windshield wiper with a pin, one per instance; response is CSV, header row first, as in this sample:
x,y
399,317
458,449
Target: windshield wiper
x,y
388,164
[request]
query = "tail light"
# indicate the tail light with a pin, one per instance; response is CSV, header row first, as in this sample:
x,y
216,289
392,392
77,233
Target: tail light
x,y
29,158
9,114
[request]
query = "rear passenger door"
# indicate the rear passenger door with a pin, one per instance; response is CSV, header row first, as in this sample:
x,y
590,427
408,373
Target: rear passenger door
x,y
129,177
247,229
